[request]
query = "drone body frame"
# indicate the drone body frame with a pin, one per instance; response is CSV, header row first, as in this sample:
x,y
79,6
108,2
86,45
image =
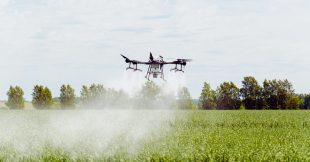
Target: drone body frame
x,y
156,66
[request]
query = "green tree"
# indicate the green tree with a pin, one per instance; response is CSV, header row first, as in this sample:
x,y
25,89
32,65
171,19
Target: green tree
x,y
228,96
15,98
208,97
294,102
285,92
117,99
67,96
306,101
42,97
93,95
270,95
251,93
277,93
85,95
150,90
184,99
149,96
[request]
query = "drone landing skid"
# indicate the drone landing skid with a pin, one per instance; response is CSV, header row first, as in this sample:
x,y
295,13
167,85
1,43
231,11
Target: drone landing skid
x,y
148,75
176,69
133,68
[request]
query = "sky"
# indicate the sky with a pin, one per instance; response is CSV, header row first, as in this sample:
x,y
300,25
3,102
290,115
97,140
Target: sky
x,y
77,42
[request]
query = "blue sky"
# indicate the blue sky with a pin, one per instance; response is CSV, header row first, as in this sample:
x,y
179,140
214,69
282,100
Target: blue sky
x,y
51,42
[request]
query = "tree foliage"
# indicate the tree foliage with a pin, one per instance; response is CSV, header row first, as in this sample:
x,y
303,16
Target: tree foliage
x,y
85,95
278,94
251,93
15,98
150,91
274,94
67,96
305,101
148,96
42,97
228,96
116,99
208,97
91,96
184,99
294,102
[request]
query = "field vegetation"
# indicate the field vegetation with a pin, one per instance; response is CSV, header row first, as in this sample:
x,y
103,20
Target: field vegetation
x,y
183,135
234,136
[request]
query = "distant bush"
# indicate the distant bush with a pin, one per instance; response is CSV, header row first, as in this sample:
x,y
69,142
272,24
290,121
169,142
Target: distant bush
x,y
294,102
242,107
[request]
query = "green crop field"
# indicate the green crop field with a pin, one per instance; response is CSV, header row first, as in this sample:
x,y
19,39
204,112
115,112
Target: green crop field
x,y
236,136
140,135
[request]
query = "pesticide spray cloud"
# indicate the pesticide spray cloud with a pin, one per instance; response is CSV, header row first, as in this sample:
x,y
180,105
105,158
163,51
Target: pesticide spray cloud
x,y
95,132
133,82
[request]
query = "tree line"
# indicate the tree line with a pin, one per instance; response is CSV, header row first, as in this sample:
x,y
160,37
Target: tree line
x,y
98,96
272,94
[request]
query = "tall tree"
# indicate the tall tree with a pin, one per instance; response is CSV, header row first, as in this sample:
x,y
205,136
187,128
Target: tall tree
x,y
270,94
184,99
15,98
208,97
150,90
306,101
228,96
97,91
149,96
285,93
277,93
42,97
85,95
116,99
251,93
93,95
67,96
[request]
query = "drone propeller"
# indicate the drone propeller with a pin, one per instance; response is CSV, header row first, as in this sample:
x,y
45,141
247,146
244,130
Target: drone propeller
x,y
126,58
151,57
185,60
181,60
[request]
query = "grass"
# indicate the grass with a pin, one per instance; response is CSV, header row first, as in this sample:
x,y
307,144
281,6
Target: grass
x,y
199,136
235,136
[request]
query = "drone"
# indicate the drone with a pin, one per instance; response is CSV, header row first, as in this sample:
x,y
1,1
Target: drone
x,y
156,66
